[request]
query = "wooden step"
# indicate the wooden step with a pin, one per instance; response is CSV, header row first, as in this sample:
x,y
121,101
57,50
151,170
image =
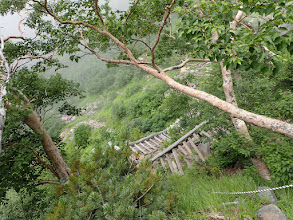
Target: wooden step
x,y
196,149
174,151
187,147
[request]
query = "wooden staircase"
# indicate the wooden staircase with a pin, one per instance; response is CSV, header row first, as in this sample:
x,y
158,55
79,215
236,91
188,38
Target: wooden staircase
x,y
186,150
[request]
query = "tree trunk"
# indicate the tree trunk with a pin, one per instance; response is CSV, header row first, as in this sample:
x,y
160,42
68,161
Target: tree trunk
x,y
239,124
249,117
50,148
2,113
2,122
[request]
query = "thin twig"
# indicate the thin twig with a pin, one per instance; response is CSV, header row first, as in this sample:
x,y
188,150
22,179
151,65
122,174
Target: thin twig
x,y
141,42
144,194
165,17
43,162
19,28
48,182
99,15
185,62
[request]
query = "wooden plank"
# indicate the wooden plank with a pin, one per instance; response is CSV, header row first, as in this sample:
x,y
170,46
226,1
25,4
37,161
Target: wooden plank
x,y
177,161
157,139
156,143
180,140
180,147
187,147
196,138
170,163
133,149
166,136
146,147
150,145
196,149
206,134
148,137
175,167
163,163
140,149
163,137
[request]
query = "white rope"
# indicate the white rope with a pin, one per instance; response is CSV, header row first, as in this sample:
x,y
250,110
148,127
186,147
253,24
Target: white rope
x,y
255,191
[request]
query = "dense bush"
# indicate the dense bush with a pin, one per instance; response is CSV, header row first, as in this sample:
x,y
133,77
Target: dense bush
x,y
134,88
110,187
175,105
118,110
82,134
23,204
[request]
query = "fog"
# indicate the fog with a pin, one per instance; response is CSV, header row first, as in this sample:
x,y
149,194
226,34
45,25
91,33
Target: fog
x,y
9,23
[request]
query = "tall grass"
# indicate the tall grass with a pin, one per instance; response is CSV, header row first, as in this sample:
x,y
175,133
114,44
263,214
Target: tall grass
x,y
197,201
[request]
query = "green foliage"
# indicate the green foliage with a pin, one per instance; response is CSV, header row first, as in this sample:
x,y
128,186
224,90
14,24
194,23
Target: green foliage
x,y
175,105
134,88
45,92
278,157
199,18
110,187
233,150
118,110
23,205
100,137
81,135
197,202
17,162
11,6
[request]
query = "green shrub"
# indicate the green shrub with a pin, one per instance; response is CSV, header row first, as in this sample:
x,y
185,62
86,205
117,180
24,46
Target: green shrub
x,y
278,154
23,205
232,149
132,89
82,134
110,187
100,136
175,105
118,110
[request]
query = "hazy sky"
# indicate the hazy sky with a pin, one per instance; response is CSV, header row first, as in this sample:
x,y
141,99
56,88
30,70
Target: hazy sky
x,y
9,23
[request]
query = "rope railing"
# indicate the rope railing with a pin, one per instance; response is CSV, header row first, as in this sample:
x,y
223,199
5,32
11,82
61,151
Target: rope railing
x,y
255,191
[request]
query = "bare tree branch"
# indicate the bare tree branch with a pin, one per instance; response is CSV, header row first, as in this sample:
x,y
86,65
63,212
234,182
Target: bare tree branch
x,y
85,44
39,159
99,15
48,182
185,62
130,13
105,33
19,28
141,42
165,17
144,194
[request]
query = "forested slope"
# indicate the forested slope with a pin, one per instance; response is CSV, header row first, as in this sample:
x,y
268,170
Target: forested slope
x,y
98,78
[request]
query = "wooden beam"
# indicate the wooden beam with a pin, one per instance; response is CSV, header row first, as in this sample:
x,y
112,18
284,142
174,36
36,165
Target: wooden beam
x,y
196,149
140,149
179,140
170,163
158,139
163,163
187,147
148,137
150,145
177,161
180,147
